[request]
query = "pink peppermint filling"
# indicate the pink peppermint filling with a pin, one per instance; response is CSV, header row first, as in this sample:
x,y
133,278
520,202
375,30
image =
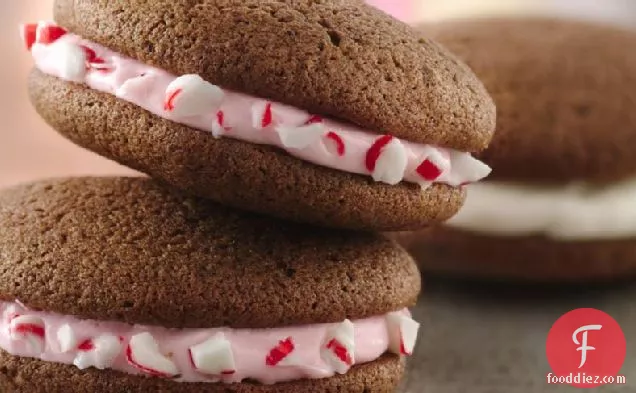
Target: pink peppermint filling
x,y
191,101
205,355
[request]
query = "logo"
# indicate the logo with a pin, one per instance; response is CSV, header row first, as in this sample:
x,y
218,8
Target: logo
x,y
585,348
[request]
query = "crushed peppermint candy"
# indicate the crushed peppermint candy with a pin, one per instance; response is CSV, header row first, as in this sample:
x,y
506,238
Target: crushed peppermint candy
x,y
205,355
280,352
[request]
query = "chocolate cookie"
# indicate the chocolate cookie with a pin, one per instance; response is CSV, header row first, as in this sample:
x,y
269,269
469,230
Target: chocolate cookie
x,y
329,112
461,253
564,92
172,292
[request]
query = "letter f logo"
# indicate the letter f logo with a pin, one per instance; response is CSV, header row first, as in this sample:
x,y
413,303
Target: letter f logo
x,y
583,343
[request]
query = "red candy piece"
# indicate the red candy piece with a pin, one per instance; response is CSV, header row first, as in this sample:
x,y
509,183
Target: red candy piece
x,y
340,351
428,170
220,117
86,346
339,142
29,328
28,34
267,116
228,372
376,149
48,34
169,104
218,126
314,119
91,56
280,352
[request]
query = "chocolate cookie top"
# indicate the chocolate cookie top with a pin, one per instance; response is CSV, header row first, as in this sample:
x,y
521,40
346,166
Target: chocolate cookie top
x,y
129,250
339,58
565,94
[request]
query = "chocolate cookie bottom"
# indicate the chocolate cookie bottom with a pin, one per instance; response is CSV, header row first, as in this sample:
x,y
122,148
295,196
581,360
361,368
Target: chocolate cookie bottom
x,y
460,253
22,375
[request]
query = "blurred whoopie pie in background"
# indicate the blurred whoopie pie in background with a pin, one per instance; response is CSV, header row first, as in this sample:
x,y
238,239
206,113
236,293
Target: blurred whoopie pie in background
x,y
561,201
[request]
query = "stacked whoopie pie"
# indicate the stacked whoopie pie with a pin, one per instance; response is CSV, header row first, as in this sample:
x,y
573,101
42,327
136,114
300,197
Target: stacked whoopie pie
x,y
119,285
560,203
139,285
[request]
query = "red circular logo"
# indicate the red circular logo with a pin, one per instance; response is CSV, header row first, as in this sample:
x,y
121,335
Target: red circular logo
x,y
585,348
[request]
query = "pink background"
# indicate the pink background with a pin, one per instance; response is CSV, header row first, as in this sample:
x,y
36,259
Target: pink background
x,y
401,9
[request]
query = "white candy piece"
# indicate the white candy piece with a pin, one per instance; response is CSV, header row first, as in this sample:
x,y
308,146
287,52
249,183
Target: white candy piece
x,y
10,313
190,95
291,360
105,350
470,168
214,356
71,61
300,137
141,85
28,328
339,347
290,115
402,333
143,353
67,338
218,125
390,166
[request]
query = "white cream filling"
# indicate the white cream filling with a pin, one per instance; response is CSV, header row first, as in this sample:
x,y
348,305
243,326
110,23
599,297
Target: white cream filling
x,y
570,212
